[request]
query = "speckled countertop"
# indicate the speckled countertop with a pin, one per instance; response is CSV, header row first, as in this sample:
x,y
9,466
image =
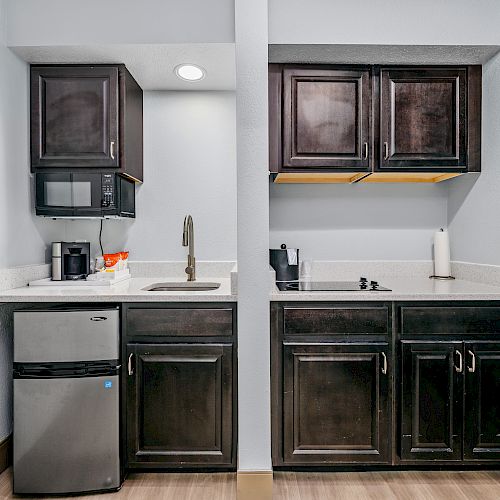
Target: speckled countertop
x,y
406,288
127,291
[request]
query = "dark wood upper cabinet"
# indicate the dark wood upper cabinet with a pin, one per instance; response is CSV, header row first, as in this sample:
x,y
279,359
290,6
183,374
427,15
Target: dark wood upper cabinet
x,y
334,120
482,403
86,117
335,404
431,401
180,405
423,118
326,118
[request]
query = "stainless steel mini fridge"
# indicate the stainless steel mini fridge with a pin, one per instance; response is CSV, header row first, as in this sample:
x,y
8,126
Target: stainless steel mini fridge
x,y
66,401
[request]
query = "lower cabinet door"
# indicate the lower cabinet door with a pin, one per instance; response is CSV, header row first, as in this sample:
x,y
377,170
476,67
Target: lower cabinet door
x,y
335,403
179,405
482,401
431,400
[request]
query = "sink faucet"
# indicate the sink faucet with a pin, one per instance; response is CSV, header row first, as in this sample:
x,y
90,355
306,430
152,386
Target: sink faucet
x,y
188,239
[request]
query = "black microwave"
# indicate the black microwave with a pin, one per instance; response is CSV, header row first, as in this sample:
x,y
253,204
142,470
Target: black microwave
x,y
71,195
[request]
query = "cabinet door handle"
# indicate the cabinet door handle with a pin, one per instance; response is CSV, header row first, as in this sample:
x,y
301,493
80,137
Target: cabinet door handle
x,y
112,149
472,368
384,364
129,364
460,366
386,150
365,151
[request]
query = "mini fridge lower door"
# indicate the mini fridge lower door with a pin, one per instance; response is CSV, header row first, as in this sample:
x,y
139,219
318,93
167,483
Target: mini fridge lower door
x,y
66,435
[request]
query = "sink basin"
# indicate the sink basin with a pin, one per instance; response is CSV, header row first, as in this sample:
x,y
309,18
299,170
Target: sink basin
x,y
182,286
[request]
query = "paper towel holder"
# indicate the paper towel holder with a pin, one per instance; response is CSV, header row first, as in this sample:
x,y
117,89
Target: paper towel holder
x,y
436,276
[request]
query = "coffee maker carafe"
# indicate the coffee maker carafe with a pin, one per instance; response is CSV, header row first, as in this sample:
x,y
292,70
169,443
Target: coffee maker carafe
x,y
70,260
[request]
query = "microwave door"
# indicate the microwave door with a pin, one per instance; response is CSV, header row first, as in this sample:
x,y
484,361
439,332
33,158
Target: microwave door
x,y
86,195
53,195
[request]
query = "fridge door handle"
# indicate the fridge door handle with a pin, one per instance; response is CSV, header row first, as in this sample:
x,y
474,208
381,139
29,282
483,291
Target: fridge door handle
x,y
129,364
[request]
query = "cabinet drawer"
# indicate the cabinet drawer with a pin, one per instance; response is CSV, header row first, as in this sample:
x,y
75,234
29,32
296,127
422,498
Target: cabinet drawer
x,y
336,320
449,320
180,322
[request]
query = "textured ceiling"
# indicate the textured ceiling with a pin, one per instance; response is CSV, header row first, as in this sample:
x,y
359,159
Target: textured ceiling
x,y
382,54
151,65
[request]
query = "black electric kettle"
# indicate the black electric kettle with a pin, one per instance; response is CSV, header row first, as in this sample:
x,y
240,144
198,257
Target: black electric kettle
x,y
285,262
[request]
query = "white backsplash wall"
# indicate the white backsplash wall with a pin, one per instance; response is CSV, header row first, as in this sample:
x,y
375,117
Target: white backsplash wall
x,y
189,167
357,222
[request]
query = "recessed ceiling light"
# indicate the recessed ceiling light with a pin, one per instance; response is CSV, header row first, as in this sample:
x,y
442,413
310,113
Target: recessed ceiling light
x,y
190,72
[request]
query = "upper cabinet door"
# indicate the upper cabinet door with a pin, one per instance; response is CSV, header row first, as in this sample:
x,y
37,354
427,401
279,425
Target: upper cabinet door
x,y
74,116
423,118
326,118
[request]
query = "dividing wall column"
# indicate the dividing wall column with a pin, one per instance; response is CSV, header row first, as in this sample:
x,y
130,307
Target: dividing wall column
x,y
254,414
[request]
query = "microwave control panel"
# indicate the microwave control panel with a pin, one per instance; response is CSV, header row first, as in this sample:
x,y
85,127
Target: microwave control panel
x,y
108,191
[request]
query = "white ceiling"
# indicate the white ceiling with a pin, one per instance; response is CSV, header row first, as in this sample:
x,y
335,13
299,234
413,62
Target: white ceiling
x,y
152,65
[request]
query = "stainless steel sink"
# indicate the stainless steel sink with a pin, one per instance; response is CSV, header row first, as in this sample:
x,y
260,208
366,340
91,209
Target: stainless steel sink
x,y
182,286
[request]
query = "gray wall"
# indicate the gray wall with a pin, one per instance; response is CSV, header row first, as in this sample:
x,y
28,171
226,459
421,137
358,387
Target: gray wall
x,y
357,222
59,22
399,22
394,222
20,240
189,167
474,201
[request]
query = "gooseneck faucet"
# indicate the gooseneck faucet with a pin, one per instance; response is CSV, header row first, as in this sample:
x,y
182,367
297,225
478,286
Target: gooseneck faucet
x,y
188,240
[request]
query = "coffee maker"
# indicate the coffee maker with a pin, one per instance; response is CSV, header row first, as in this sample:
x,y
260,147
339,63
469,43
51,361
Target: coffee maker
x,y
70,260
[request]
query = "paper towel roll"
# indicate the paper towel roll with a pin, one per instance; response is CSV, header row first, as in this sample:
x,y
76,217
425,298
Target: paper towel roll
x,y
442,265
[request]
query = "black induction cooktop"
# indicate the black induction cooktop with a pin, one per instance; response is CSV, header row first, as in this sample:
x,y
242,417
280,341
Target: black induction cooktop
x,y
363,285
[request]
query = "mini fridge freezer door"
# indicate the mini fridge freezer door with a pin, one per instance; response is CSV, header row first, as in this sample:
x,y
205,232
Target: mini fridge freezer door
x,y
66,336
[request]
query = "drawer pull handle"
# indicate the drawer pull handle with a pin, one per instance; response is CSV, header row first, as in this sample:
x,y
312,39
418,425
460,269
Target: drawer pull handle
x,y
472,368
460,366
129,364
98,318
384,365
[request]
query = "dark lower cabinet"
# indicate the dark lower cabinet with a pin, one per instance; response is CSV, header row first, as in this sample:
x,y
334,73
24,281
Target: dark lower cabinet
x,y
335,403
450,408
180,404
431,401
482,401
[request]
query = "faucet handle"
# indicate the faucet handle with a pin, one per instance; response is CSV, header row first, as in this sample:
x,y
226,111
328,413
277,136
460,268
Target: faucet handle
x,y
190,272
